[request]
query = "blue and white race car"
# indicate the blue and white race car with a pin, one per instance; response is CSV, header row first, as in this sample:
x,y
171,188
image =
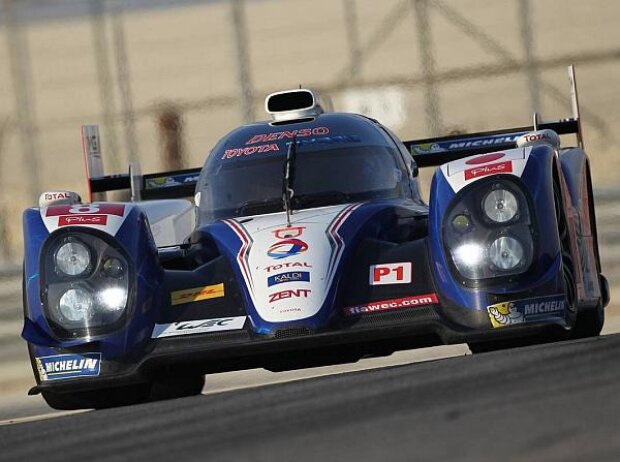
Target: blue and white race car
x,y
308,243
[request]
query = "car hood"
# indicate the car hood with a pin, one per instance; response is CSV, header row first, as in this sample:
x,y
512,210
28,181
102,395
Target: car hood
x,y
288,271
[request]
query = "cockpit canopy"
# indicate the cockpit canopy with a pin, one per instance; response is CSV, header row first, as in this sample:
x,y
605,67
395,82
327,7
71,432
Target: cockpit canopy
x,y
340,158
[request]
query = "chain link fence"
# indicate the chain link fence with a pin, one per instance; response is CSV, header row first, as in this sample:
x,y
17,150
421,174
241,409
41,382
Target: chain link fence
x,y
166,79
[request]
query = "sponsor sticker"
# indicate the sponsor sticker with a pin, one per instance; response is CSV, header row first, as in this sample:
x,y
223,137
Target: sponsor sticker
x,y
465,143
68,366
393,304
172,180
68,220
286,233
527,310
290,276
280,266
85,209
287,248
196,294
248,151
287,135
198,326
477,172
299,293
390,273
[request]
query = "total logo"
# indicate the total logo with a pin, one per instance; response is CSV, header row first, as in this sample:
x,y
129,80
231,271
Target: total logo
x,y
287,265
289,245
390,273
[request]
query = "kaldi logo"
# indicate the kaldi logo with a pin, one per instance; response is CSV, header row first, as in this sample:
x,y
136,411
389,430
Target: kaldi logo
x,y
68,220
299,293
501,167
81,209
390,273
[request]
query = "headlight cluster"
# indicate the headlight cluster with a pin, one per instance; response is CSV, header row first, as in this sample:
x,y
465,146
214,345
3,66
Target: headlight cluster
x,y
488,231
86,285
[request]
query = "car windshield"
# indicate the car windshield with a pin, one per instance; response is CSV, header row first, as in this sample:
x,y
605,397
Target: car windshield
x,y
242,187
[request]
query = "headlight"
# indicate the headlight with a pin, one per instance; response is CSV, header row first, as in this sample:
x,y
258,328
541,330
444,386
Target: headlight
x,y
506,253
488,232
72,258
500,205
86,282
76,305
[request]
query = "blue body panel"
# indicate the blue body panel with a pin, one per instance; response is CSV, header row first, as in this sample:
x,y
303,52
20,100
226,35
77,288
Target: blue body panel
x,y
145,299
545,272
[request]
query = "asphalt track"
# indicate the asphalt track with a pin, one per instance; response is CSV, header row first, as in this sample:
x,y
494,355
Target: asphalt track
x,y
557,402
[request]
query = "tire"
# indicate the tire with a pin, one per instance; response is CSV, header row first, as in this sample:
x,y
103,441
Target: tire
x,y
158,390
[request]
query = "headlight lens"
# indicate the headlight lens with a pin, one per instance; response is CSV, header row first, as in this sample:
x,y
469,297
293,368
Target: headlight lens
x,y
488,231
500,205
86,285
76,305
72,258
506,253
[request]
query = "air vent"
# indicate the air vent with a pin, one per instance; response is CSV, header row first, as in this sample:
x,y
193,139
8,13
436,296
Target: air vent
x,y
292,332
298,104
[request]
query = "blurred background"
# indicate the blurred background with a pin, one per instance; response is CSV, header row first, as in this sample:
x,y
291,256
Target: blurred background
x,y
166,79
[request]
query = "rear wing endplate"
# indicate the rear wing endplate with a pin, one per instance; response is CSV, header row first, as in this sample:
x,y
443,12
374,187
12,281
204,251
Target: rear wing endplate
x,y
163,185
436,151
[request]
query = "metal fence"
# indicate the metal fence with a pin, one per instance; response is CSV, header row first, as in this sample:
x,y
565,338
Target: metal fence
x,y
140,67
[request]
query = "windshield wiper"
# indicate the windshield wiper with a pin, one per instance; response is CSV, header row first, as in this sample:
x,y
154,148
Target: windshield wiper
x,y
289,179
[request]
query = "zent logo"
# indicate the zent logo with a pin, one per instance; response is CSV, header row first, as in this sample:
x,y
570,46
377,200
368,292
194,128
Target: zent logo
x,y
390,273
299,293
287,248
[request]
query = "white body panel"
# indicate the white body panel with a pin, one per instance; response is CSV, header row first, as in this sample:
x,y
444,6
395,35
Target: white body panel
x,y
463,172
171,220
289,271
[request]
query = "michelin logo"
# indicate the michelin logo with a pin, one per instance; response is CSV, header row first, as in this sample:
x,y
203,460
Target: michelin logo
x,y
543,307
68,366
465,143
528,310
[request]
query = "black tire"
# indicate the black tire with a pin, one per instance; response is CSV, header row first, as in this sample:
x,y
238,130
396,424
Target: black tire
x,y
157,390
589,323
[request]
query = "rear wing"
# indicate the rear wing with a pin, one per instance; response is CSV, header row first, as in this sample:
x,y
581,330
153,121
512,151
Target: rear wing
x,y
436,151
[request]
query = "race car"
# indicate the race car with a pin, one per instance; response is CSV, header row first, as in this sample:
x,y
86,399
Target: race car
x,y
308,243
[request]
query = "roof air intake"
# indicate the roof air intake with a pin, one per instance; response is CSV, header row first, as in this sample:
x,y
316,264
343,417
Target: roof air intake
x,y
291,105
